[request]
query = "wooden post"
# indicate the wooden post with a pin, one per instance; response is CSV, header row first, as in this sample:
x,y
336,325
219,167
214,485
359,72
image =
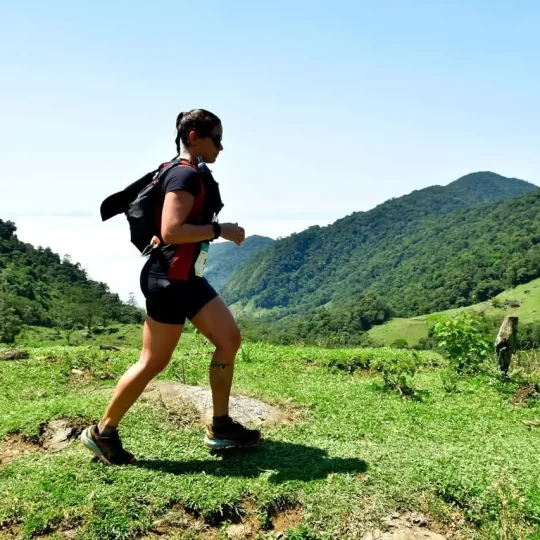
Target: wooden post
x,y
505,344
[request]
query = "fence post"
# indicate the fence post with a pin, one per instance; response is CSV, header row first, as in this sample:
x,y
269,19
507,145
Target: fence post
x,y
505,344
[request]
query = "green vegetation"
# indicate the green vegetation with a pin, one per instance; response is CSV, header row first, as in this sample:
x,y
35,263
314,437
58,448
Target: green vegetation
x,y
523,301
328,327
38,288
465,340
225,257
125,335
358,437
434,249
373,430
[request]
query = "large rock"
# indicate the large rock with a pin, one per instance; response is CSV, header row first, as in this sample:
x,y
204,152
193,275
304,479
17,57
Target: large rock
x,y
176,396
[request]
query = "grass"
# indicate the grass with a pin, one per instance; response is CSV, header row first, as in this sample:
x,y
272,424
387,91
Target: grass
x,y
415,328
116,335
357,453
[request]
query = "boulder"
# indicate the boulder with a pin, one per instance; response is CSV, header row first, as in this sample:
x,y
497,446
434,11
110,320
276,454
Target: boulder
x,y
175,397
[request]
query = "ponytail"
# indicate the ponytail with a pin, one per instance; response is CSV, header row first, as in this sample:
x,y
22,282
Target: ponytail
x,y
178,125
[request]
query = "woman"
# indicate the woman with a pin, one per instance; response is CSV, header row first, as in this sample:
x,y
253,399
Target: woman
x,y
172,283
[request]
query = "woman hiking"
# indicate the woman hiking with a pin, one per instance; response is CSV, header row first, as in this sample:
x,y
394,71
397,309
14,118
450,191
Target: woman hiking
x,y
175,290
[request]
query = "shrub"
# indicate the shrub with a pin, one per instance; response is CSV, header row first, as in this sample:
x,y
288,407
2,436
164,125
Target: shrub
x,y
464,339
397,371
400,343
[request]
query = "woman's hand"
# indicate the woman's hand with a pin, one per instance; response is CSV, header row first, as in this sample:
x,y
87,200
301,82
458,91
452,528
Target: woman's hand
x,y
232,232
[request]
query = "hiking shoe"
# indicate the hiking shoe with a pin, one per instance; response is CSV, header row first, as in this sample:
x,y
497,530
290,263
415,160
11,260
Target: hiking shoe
x,y
231,435
109,450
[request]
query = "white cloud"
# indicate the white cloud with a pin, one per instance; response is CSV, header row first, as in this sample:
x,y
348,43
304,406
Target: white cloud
x,y
105,251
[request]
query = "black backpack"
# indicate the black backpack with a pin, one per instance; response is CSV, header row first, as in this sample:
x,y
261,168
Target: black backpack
x,y
141,200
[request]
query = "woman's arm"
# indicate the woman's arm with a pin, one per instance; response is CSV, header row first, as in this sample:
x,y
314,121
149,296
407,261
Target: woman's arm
x,y
174,230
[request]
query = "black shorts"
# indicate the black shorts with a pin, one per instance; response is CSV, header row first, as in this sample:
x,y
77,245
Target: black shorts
x,y
172,302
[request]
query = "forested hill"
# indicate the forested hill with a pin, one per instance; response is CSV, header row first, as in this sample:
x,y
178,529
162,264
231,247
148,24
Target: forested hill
x,y
432,249
39,288
226,257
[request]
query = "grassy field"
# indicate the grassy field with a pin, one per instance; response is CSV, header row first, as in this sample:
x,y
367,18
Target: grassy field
x,y
354,454
414,329
127,335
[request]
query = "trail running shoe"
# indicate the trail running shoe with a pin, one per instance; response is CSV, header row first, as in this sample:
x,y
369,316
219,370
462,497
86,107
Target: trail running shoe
x,y
109,450
231,435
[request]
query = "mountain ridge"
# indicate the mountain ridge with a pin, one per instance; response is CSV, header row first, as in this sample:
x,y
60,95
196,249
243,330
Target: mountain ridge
x,y
225,257
304,271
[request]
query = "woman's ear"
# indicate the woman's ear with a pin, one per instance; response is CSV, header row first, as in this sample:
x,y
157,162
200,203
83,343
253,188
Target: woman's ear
x,y
193,137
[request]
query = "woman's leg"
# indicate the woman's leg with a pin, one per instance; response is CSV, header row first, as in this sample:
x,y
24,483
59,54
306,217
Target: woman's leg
x,y
217,324
159,342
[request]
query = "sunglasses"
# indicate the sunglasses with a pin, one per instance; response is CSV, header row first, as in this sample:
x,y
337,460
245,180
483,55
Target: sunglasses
x,y
216,139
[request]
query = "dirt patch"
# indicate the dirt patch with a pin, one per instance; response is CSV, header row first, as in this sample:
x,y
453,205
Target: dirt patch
x,y
54,436
243,522
246,525
15,445
177,522
80,377
57,434
409,526
286,517
525,395
67,533
10,531
14,354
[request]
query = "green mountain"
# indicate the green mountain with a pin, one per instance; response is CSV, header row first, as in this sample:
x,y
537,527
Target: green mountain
x,y
430,250
39,288
225,257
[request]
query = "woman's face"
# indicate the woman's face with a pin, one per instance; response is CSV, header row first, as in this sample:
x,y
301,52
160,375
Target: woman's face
x,y
207,147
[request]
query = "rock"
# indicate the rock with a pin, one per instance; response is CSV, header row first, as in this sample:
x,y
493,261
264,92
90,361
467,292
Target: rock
x,y
77,371
56,435
86,335
14,354
176,396
109,348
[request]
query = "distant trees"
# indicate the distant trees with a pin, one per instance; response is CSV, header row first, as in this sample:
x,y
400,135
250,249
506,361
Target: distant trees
x,y
334,325
422,253
37,287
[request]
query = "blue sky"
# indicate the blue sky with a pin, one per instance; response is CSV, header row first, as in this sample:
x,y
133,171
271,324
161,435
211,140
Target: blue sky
x,y
328,108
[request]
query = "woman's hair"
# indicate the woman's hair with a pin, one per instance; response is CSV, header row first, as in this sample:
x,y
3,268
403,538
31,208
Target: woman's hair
x,y
200,121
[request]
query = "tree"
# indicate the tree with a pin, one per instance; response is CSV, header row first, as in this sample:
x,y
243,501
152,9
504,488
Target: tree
x,y
132,300
10,323
7,230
